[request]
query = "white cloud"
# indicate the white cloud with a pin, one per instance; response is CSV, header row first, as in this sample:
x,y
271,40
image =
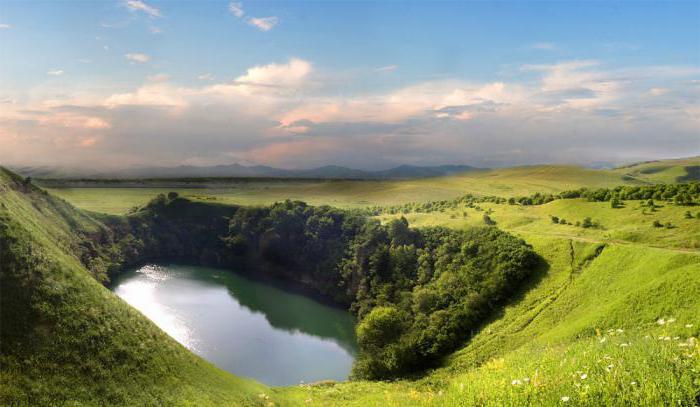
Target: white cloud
x,y
263,23
137,5
275,77
236,9
285,114
135,57
658,91
388,68
205,77
55,72
4,26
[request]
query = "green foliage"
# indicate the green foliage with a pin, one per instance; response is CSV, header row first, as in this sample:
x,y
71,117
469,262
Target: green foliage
x,y
439,284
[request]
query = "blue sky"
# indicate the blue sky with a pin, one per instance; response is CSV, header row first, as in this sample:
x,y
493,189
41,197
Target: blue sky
x,y
363,84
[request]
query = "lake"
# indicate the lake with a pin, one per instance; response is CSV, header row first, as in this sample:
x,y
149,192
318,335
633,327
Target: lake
x,y
243,326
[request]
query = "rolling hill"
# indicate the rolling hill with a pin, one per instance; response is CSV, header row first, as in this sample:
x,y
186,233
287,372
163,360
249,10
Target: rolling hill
x,y
607,322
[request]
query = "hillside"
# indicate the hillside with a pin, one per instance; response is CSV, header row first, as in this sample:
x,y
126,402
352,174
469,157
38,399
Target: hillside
x,y
242,171
67,339
664,171
611,319
117,197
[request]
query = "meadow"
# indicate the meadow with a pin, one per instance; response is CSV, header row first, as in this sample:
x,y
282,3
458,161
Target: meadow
x,y
612,320
507,182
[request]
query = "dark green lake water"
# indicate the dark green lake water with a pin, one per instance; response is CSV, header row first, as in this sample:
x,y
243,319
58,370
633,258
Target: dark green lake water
x,y
243,326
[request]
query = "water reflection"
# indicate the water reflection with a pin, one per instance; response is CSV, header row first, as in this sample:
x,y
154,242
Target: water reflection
x,y
246,327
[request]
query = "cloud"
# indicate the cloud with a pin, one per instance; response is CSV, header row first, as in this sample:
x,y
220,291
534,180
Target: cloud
x,y
55,72
275,77
155,30
388,68
263,23
284,114
236,9
137,5
205,77
658,91
135,57
4,26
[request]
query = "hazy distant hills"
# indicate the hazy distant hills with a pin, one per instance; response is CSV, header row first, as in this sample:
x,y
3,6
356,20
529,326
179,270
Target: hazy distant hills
x,y
238,170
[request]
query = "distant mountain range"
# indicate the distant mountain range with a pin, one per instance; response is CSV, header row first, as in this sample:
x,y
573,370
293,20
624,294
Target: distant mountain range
x,y
242,171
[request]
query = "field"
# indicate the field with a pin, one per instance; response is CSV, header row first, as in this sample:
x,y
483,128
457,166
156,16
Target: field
x,y
110,198
613,320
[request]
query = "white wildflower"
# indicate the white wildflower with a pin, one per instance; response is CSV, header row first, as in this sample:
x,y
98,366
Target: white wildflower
x,y
565,399
584,376
516,382
633,383
671,320
661,321
688,325
624,345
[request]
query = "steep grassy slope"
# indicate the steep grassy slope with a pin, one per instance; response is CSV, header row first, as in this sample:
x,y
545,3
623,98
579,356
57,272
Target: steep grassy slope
x,y
612,325
67,339
505,182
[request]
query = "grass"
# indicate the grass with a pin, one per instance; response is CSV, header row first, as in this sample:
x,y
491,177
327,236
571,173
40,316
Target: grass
x,y
504,182
66,339
631,224
586,331
586,313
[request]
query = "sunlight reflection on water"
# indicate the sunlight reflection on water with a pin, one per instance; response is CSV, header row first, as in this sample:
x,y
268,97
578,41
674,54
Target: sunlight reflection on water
x,y
140,294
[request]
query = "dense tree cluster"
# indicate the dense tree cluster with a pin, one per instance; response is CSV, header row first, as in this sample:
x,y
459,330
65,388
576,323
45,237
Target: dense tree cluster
x,y
418,292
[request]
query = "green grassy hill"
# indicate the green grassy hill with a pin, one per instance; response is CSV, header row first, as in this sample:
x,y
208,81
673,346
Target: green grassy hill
x,y
664,171
588,330
66,339
612,321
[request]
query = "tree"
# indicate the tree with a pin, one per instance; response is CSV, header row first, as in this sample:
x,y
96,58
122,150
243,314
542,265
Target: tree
x,y
587,222
488,220
172,195
555,219
615,202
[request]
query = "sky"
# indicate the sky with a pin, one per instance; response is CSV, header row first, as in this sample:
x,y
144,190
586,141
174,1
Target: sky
x,y
123,83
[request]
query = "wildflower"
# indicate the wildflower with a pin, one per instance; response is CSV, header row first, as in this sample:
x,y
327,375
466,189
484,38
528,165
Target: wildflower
x,y
620,330
671,320
565,399
688,325
609,368
526,380
516,382
624,345
584,376
603,339
661,321
633,383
